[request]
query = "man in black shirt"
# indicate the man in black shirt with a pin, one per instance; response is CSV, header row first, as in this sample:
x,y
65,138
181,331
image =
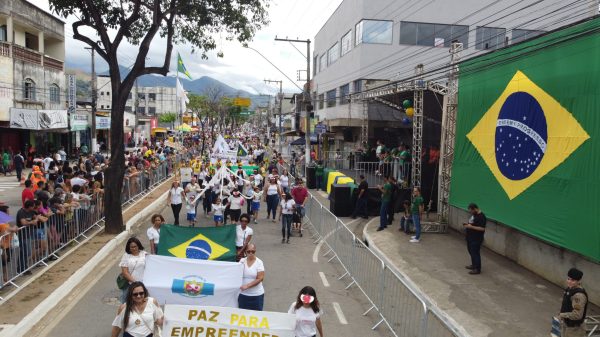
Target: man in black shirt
x,y
475,230
26,217
363,197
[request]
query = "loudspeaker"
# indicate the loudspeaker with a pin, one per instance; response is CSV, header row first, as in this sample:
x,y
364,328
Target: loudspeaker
x,y
340,200
374,201
311,178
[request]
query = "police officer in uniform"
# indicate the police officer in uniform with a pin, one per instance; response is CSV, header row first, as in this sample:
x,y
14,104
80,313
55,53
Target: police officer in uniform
x,y
574,306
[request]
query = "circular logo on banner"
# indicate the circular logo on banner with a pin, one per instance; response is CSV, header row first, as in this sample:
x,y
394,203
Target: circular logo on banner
x,y
521,136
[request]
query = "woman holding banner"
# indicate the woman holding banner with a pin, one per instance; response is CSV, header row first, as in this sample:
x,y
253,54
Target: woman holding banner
x,y
139,315
154,232
252,296
133,264
308,314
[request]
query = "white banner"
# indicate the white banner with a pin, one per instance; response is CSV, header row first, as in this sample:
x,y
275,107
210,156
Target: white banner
x,y
102,123
174,280
186,320
24,119
53,119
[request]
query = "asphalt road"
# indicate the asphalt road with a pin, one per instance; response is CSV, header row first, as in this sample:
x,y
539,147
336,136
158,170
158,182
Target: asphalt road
x,y
288,268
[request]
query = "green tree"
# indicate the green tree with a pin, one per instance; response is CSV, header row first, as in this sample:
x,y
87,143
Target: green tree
x,y
168,117
185,22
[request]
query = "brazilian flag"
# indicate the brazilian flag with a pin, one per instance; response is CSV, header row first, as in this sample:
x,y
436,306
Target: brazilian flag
x,y
205,243
241,152
527,128
181,67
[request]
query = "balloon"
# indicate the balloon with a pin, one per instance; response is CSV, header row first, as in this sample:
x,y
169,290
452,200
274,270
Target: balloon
x,y
407,104
410,112
406,121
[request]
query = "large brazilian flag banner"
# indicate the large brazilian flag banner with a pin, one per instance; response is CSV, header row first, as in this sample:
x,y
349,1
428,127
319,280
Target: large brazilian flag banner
x,y
204,243
527,138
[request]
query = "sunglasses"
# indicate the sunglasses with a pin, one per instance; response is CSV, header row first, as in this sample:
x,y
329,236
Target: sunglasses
x,y
142,294
250,251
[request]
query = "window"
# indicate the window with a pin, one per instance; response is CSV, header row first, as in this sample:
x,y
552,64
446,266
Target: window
x,y
374,32
489,38
29,90
432,34
152,97
3,36
519,35
151,110
127,109
344,94
108,93
141,95
101,106
331,98
357,86
31,41
54,93
141,110
346,43
101,93
315,65
322,63
333,54
321,99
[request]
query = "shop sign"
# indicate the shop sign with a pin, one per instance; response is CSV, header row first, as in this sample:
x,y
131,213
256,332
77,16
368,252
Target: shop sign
x,y
53,119
24,119
79,122
102,123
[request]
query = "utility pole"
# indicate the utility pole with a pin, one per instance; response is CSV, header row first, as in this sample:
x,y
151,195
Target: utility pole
x,y
280,110
94,97
136,104
307,99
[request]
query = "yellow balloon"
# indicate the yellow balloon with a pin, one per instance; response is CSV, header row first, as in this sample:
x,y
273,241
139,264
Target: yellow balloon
x,y
410,112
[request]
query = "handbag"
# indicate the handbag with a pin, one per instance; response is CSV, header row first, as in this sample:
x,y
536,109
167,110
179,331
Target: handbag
x,y
15,241
122,282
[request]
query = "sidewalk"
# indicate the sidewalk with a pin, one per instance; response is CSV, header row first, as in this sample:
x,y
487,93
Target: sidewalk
x,y
505,300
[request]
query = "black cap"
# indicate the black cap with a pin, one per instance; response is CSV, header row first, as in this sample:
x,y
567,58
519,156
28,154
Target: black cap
x,y
575,274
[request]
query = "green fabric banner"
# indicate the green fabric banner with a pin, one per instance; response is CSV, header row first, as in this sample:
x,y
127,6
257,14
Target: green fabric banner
x,y
526,137
204,243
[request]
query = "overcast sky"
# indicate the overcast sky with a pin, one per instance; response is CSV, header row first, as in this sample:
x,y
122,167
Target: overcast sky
x,y
240,68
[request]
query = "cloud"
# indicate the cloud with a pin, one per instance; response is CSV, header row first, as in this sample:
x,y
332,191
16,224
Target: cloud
x,y
240,67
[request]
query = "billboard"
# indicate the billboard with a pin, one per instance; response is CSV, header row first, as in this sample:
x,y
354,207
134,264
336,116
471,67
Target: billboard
x,y
526,137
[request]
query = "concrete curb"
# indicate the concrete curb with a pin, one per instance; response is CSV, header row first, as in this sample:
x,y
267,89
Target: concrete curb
x,y
430,303
35,316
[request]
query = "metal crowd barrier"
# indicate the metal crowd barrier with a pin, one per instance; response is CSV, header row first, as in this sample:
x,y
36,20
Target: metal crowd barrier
x,y
32,246
398,304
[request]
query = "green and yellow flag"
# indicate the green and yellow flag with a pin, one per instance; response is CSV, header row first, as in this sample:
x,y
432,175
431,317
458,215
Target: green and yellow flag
x,y
181,67
205,243
525,137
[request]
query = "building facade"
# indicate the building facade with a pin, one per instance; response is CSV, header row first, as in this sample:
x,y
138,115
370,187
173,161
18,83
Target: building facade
x,y
33,114
368,43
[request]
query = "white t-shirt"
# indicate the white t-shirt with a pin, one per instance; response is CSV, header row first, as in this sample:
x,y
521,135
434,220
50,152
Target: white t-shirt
x,y
250,273
257,179
186,174
153,234
236,202
78,181
218,209
176,195
306,319
140,325
47,162
285,181
272,189
242,234
287,207
135,264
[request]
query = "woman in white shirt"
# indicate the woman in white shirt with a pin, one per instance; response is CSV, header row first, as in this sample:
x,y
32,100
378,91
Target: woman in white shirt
x,y
243,235
287,205
252,296
132,263
284,180
139,315
272,192
176,197
235,203
308,314
154,232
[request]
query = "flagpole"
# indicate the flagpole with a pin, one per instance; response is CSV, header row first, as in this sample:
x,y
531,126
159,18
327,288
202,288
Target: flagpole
x,y
177,93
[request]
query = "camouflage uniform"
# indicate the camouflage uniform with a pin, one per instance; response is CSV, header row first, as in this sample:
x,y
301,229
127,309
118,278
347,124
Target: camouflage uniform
x,y
578,304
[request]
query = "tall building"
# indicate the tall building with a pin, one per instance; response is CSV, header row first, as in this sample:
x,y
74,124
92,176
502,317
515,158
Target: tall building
x,y
32,80
369,43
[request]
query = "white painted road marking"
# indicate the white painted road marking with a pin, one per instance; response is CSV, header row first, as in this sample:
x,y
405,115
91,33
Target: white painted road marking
x,y
339,313
324,279
318,247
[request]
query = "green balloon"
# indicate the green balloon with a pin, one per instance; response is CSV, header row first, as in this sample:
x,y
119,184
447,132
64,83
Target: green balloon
x,y
407,104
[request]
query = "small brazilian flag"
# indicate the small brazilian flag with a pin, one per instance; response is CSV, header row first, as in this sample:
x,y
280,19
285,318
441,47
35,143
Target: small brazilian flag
x,y
181,67
241,152
206,243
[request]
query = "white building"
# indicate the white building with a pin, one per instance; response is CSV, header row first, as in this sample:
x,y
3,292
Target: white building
x,y
367,43
32,80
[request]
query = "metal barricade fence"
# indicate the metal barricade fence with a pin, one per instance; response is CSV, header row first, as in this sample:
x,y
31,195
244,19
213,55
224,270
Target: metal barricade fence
x,y
398,303
31,246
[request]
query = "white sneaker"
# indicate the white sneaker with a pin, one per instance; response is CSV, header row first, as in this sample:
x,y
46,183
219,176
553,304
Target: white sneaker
x,y
413,237
414,241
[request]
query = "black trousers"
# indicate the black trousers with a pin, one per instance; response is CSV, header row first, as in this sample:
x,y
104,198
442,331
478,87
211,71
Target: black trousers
x,y
474,249
176,210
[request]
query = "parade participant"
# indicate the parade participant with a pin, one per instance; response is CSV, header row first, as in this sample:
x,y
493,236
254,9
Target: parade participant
x,y
256,203
475,229
257,179
574,306
235,203
154,232
416,209
287,207
195,186
218,208
252,295
176,197
272,192
243,235
300,195
133,264
284,179
361,201
191,197
138,315
308,313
